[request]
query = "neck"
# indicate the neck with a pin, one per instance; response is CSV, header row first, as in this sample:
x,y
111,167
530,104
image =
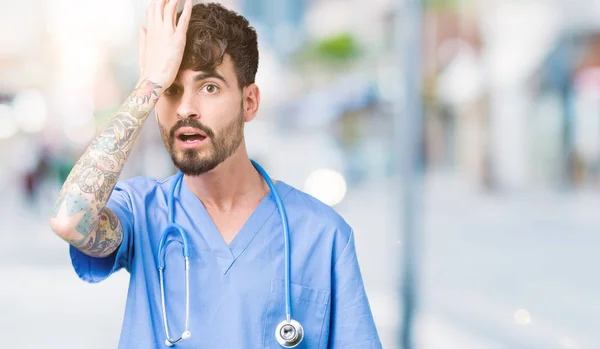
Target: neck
x,y
232,184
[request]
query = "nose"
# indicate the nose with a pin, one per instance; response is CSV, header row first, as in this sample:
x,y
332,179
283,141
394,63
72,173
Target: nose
x,y
187,107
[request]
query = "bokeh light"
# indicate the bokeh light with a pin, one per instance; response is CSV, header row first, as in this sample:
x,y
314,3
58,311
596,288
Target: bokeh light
x,y
522,317
327,185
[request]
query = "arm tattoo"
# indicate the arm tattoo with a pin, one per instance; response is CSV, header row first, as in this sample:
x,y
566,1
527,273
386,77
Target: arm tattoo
x,y
92,179
143,93
74,204
105,239
118,135
86,224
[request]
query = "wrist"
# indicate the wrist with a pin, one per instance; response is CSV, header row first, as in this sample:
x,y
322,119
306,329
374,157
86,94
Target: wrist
x,y
146,92
160,79
155,83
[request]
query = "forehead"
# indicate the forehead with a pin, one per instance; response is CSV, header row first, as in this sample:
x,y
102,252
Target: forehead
x,y
226,70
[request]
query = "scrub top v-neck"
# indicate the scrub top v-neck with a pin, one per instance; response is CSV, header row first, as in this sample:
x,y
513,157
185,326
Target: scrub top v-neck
x,y
227,253
237,291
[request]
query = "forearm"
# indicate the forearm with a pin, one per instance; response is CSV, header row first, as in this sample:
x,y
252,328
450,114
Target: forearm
x,y
88,187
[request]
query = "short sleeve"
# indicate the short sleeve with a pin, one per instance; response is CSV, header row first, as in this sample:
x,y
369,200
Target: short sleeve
x,y
352,324
92,269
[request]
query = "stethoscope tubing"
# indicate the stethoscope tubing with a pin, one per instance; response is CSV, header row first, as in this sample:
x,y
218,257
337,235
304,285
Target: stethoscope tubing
x,y
162,247
286,239
172,227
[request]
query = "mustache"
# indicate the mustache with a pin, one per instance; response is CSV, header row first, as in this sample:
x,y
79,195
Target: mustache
x,y
191,123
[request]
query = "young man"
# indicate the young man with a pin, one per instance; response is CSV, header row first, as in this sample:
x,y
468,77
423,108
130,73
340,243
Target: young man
x,y
197,73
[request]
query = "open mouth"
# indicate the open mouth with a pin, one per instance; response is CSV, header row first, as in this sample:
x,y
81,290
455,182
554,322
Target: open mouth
x,y
191,137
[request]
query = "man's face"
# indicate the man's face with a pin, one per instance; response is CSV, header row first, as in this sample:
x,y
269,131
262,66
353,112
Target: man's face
x,y
201,118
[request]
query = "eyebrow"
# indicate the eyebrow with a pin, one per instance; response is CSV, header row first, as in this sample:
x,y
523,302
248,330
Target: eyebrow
x,y
213,74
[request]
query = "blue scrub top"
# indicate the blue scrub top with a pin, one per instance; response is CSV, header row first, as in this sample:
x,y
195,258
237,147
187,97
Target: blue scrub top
x,y
237,291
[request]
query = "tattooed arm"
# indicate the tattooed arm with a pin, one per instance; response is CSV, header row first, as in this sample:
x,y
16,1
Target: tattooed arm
x,y
80,216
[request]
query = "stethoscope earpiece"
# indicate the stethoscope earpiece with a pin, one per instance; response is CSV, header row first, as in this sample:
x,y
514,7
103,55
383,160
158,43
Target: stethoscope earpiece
x,y
289,333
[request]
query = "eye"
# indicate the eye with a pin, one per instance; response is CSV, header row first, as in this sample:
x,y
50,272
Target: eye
x,y
210,88
172,90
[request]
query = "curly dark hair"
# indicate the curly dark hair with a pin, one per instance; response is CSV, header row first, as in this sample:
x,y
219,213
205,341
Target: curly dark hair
x,y
215,31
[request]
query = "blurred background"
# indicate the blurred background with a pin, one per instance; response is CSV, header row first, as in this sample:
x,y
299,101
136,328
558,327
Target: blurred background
x,y
460,139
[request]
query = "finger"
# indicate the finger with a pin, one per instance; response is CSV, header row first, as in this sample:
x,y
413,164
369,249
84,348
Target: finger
x,y
170,12
159,10
142,48
175,17
150,15
184,20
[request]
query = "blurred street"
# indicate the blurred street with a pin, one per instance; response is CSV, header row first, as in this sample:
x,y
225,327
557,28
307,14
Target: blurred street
x,y
481,263
496,103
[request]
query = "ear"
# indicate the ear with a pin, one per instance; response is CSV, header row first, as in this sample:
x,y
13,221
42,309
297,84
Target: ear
x,y
251,95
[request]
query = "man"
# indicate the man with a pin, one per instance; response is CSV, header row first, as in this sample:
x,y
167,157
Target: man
x,y
197,73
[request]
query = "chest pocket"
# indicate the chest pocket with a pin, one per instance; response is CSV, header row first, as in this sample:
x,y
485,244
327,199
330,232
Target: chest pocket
x,y
309,307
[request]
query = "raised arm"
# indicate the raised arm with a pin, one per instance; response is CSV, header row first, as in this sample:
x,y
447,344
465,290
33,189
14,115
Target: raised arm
x,y
80,215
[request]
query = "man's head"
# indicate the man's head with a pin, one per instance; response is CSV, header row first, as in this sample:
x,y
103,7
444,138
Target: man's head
x,y
201,116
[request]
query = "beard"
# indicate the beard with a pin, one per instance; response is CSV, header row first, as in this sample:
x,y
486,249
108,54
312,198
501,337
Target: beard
x,y
220,146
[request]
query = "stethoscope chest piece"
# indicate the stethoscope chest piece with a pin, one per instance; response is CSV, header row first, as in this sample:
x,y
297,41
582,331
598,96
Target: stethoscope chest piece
x,y
289,333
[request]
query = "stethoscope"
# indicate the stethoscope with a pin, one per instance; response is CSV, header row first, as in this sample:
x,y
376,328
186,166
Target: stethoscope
x,y
289,333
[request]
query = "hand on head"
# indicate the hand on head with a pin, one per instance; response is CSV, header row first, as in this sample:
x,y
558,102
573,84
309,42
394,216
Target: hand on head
x,y
162,42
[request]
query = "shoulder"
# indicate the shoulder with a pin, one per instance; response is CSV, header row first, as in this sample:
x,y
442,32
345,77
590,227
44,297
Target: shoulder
x,y
141,183
315,224
303,206
142,186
